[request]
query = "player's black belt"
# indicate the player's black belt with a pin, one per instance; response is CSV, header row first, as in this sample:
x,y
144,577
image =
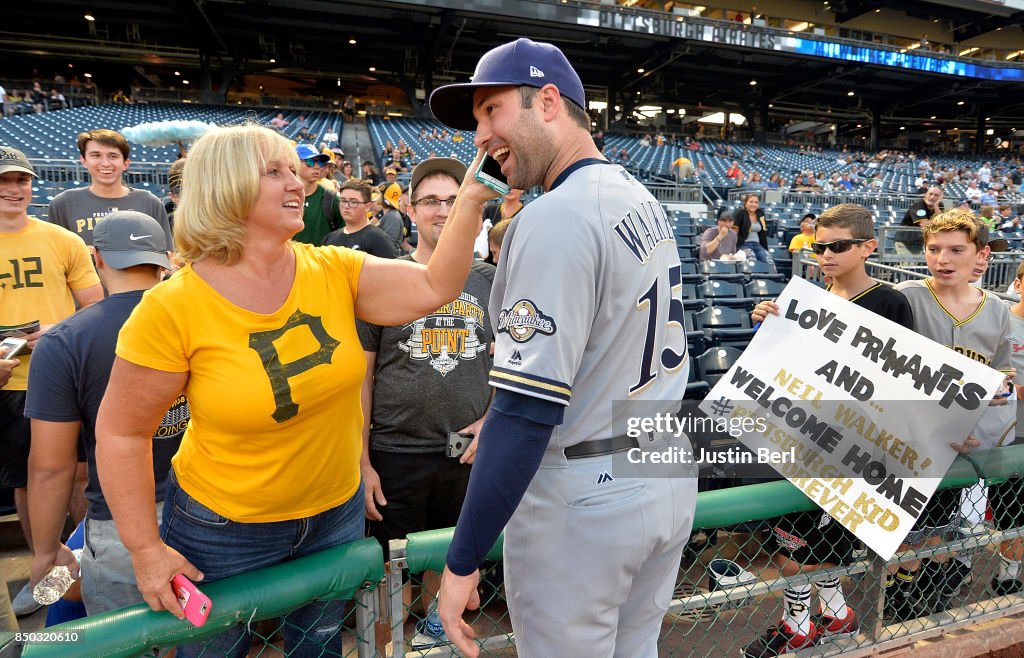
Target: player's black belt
x,y
601,447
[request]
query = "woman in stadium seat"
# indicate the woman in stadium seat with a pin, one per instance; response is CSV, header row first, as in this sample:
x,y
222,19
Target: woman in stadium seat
x,y
749,219
258,332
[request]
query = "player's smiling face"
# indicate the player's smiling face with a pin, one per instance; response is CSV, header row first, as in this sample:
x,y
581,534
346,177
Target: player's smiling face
x,y
15,193
951,257
513,135
278,208
106,164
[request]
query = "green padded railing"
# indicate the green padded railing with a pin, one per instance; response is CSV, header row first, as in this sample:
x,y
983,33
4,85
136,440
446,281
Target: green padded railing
x,y
426,551
334,574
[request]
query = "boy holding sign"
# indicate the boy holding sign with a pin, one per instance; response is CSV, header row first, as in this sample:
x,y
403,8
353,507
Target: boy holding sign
x,y
806,541
968,320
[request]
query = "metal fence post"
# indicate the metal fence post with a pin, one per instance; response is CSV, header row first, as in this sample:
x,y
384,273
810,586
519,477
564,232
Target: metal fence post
x,y
395,567
367,613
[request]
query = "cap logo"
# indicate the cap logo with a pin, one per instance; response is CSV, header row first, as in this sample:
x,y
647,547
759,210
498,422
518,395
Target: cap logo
x,y
536,72
138,237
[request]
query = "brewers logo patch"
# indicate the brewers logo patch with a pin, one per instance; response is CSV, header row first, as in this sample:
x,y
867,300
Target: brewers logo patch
x,y
524,320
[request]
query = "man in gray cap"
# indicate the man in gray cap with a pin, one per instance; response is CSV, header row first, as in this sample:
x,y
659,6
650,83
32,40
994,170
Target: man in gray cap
x,y
413,482
70,369
44,272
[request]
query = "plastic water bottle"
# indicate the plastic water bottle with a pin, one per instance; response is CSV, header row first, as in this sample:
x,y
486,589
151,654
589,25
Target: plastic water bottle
x,y
50,589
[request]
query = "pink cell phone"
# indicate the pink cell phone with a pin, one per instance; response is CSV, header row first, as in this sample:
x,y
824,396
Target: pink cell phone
x,y
196,605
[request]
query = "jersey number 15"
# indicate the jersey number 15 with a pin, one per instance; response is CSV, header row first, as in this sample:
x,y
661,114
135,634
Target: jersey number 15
x,y
670,359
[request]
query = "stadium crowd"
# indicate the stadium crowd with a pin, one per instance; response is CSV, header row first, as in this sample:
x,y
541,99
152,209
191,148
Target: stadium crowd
x,y
416,305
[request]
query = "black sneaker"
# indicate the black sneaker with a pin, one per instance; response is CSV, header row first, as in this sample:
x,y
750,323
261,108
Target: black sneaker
x,y
958,575
779,640
898,607
1006,587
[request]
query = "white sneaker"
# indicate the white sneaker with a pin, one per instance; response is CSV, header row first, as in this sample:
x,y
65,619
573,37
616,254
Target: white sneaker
x,y
23,603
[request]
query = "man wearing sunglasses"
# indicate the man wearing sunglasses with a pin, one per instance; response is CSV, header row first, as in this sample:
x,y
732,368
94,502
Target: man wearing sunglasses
x,y
321,214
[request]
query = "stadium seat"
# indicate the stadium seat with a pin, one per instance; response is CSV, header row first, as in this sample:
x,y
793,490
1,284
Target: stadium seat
x,y
725,293
715,362
761,289
724,326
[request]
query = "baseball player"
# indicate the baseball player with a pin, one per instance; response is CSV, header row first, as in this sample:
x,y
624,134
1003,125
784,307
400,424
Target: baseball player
x,y
591,556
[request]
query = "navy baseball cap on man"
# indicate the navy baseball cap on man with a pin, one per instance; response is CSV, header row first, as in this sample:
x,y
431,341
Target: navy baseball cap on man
x,y
307,152
126,238
519,63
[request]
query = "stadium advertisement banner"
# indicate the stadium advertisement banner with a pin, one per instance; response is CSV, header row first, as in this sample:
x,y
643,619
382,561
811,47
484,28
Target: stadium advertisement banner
x,y
860,411
764,38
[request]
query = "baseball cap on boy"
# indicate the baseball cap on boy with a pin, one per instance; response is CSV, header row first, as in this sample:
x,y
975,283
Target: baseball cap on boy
x,y
520,63
307,152
126,238
14,160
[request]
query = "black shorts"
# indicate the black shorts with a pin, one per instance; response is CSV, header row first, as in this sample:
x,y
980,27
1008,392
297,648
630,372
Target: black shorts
x,y
812,538
15,440
1006,500
424,492
942,510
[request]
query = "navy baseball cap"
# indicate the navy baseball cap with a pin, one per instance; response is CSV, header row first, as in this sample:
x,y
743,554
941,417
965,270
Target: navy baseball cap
x,y
305,152
127,237
520,63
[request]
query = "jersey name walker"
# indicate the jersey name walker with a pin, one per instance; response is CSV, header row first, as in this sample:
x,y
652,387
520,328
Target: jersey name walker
x,y
600,320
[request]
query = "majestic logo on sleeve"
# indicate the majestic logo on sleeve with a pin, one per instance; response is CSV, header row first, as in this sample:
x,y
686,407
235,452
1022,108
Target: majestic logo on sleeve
x,y
524,320
448,335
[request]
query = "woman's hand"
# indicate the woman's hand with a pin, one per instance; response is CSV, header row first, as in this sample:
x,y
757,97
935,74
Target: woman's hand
x,y
154,568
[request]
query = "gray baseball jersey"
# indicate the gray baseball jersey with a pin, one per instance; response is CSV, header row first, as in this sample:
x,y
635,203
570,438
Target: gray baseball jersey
x,y
599,318
984,336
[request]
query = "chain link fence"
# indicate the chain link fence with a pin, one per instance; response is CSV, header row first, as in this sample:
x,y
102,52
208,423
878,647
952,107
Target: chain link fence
x,y
760,555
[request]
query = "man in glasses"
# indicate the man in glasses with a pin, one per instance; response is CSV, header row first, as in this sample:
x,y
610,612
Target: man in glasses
x,y
321,214
413,483
358,233
844,237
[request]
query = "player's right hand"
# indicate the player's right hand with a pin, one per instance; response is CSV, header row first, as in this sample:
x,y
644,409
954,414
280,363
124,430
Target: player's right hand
x,y
762,310
373,495
154,568
458,594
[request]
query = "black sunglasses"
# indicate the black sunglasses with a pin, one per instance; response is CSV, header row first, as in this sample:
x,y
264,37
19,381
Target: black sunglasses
x,y
837,246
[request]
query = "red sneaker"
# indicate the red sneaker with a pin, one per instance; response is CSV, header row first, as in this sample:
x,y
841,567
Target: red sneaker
x,y
831,628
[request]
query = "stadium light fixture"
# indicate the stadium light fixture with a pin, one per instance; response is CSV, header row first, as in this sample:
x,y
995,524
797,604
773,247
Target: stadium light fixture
x,y
373,69
800,27
273,61
903,127
351,42
959,102
177,73
640,70
969,51
753,83
850,93
184,82
933,116
1015,55
89,17
88,75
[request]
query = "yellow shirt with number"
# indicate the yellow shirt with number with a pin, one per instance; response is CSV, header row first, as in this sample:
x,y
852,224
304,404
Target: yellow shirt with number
x,y
276,421
39,267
